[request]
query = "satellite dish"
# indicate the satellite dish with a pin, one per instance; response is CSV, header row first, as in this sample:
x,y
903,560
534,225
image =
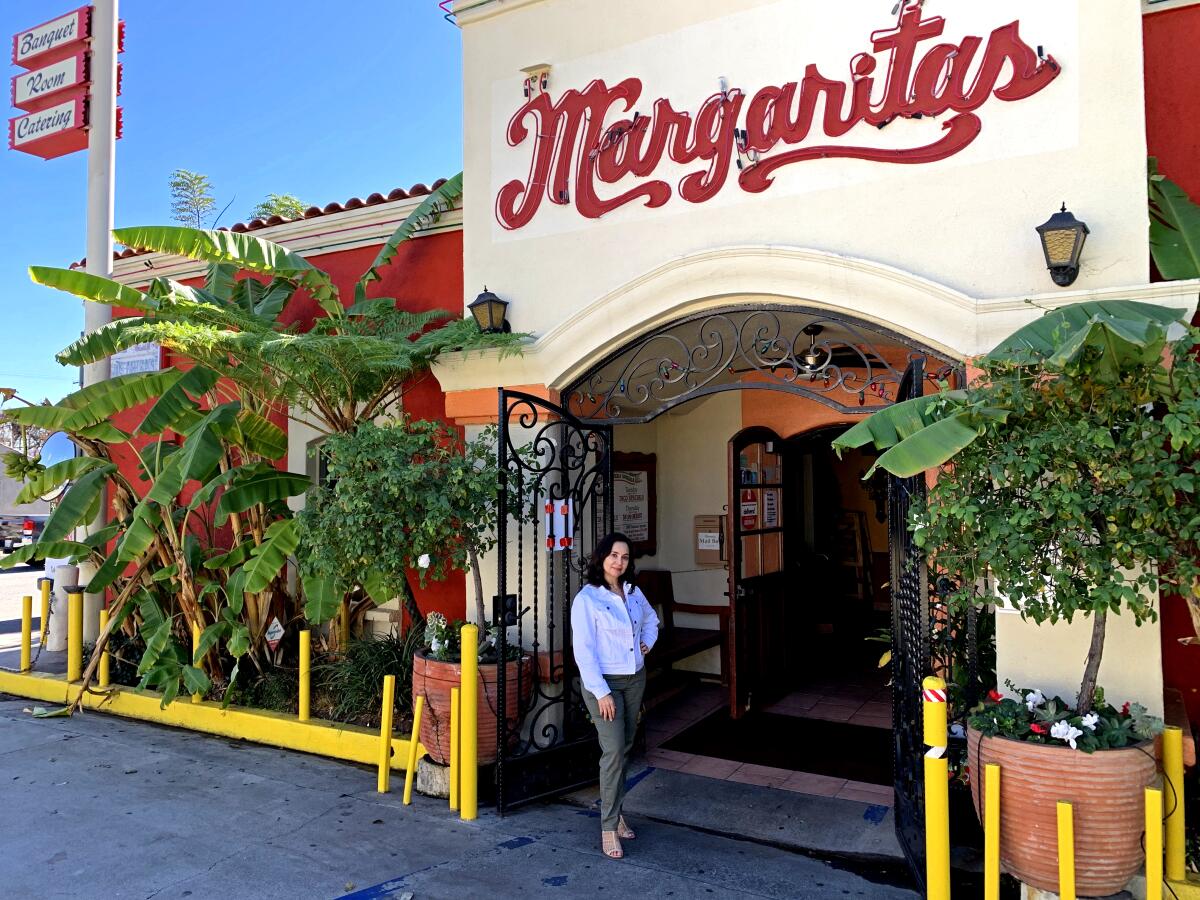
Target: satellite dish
x,y
58,447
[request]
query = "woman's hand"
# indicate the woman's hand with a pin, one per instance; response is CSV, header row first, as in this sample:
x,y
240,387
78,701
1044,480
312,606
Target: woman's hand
x,y
608,709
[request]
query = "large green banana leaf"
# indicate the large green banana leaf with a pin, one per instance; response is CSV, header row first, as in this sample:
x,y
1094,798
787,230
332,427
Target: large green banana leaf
x,y
257,434
77,504
49,417
1174,227
1126,331
936,443
101,401
444,198
268,558
221,279
201,452
253,254
174,407
71,551
50,478
91,287
322,598
892,424
266,487
104,341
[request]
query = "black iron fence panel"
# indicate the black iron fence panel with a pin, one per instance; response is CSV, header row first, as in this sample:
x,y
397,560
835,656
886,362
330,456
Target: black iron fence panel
x,y
554,504
911,656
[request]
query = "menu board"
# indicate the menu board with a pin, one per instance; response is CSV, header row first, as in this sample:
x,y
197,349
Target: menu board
x,y
635,500
631,497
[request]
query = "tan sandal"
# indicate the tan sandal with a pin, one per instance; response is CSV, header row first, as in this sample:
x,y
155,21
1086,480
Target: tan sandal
x,y
610,845
624,832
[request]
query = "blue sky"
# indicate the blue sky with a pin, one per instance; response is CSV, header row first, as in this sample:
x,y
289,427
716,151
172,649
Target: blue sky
x,y
322,100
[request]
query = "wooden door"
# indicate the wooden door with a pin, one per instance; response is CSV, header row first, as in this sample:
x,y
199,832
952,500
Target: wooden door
x,y
758,637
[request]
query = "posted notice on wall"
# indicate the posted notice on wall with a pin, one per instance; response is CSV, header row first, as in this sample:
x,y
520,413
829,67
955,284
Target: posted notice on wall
x,y
138,358
631,498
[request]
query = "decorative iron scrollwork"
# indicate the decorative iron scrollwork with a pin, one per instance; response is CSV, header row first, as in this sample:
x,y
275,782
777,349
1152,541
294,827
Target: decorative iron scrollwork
x,y
836,361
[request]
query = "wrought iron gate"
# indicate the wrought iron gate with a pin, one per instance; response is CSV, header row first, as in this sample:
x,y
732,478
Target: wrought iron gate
x,y
555,503
910,649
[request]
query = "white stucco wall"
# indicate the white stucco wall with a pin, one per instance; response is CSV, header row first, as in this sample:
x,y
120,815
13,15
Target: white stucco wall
x,y
965,222
1051,658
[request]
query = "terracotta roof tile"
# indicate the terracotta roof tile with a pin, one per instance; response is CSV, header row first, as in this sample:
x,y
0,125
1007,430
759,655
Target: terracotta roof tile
x,y
417,190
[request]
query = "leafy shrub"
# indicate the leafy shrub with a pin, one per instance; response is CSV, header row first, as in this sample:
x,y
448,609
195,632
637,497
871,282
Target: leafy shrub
x,y
348,687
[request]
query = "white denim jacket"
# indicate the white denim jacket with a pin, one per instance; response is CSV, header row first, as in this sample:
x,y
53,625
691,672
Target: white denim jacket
x,y
606,634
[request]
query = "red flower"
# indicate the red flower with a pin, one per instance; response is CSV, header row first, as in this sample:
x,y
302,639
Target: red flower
x,y
995,696
1125,709
1039,728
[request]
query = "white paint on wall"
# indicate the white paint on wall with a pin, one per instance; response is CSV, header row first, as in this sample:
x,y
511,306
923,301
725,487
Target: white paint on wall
x,y
1052,657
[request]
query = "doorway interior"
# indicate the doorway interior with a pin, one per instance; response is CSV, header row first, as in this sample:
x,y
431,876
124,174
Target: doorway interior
x,y
806,562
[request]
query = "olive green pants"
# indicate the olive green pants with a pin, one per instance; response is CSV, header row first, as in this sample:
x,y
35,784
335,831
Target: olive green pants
x,y
616,741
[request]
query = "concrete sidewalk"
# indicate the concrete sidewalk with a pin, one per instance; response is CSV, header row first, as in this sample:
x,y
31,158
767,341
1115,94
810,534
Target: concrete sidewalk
x,y
97,806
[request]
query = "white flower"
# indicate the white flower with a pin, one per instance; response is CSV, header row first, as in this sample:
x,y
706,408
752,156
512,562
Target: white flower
x,y
423,561
1034,699
1090,721
1065,731
435,645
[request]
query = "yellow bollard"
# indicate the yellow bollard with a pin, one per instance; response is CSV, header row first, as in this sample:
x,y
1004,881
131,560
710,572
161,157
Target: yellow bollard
x,y
455,739
196,698
104,658
937,790
385,733
1172,750
26,633
305,673
468,707
410,768
933,696
74,635
1066,851
45,584
937,825
1154,844
991,833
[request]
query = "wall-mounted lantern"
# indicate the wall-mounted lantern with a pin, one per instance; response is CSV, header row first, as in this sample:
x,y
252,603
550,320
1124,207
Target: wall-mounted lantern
x,y
1062,237
489,312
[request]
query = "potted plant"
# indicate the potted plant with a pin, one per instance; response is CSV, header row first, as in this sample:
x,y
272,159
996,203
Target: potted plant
x,y
437,668
1067,479
407,500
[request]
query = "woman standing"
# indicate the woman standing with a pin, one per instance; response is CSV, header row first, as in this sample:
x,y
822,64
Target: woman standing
x,y
613,627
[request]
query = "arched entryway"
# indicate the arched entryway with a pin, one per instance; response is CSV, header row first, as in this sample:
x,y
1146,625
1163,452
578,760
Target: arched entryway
x,y
721,379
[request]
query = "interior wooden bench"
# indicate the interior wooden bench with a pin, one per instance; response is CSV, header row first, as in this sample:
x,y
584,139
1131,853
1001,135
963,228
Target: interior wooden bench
x,y
674,642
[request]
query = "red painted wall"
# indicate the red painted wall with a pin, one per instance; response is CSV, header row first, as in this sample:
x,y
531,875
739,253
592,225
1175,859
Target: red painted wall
x,y
1172,69
425,275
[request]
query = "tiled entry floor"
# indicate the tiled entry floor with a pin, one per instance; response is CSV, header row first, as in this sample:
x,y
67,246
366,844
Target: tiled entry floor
x,y
864,701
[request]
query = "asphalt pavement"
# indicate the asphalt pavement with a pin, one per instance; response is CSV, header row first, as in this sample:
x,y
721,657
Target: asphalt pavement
x,y
98,806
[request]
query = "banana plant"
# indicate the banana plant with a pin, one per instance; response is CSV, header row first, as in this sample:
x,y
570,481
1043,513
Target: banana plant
x,y
158,553
927,432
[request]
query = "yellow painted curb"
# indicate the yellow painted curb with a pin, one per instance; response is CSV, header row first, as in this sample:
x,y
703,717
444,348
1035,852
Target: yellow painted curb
x,y
1186,890
323,738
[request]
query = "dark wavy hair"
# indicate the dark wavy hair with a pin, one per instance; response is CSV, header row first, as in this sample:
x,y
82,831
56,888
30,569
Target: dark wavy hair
x,y
595,567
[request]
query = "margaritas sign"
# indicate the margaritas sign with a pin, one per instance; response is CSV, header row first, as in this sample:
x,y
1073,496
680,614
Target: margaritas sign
x,y
576,147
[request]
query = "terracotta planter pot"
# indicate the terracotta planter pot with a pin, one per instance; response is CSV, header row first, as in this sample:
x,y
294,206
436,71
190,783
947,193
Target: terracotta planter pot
x,y
433,680
1106,790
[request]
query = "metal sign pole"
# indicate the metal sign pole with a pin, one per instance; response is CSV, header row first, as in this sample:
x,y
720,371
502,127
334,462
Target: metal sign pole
x,y
102,139
101,162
